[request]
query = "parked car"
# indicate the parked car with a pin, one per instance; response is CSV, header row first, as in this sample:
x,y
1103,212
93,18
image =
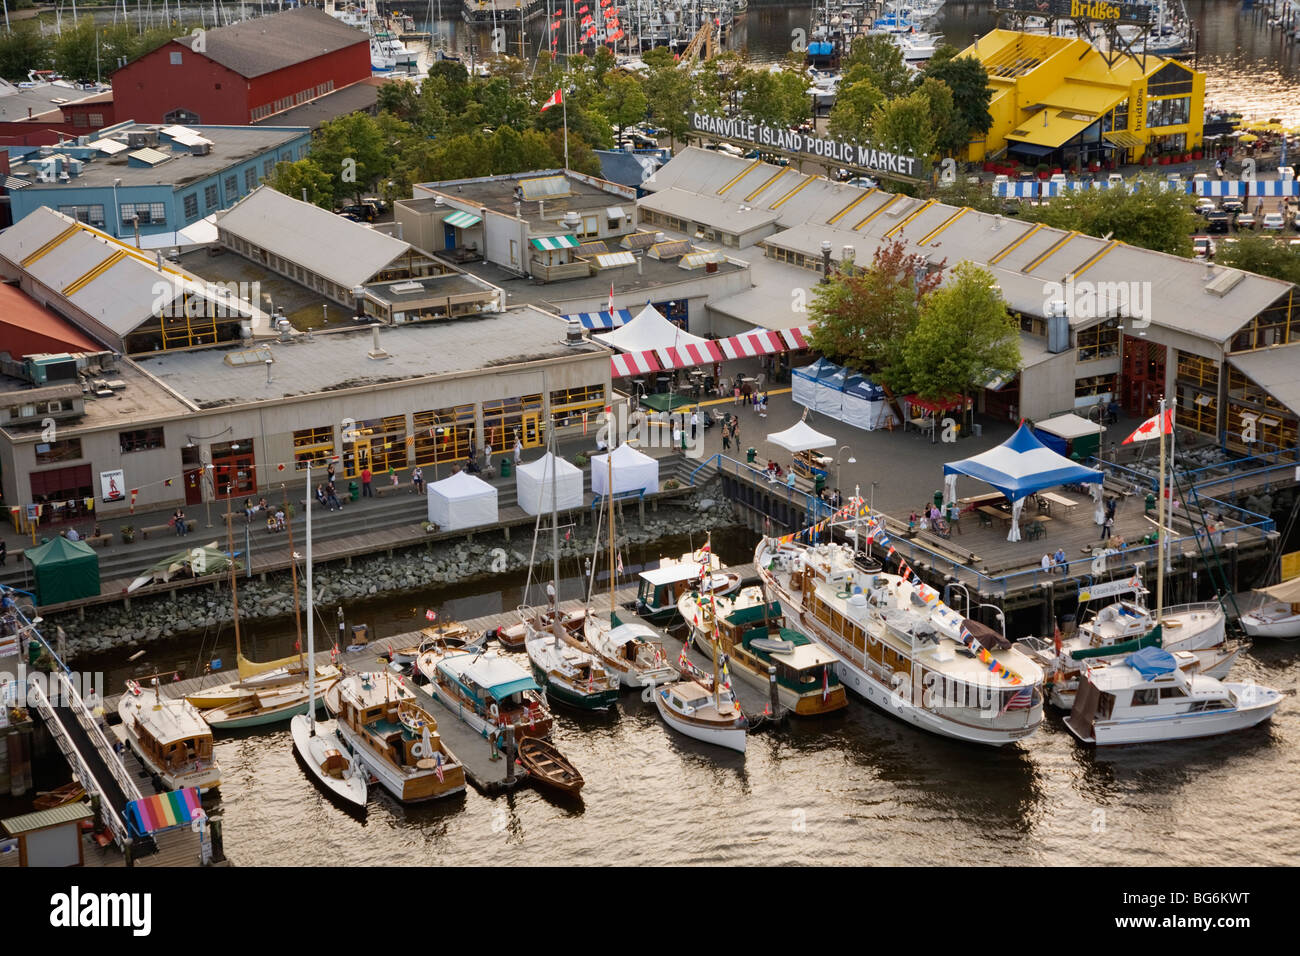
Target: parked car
x,y
1232,206
1246,220
1295,223
1273,221
1217,221
1203,247
361,212
1204,206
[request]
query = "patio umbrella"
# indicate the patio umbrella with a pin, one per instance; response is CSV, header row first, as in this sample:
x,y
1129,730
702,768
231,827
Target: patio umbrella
x,y
1247,138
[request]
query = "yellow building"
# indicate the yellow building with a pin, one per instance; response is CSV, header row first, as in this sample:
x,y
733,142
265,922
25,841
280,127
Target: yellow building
x,y
1057,101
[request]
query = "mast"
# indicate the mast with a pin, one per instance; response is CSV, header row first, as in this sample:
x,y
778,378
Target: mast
x,y
1160,524
557,626
293,566
234,582
713,606
609,458
311,630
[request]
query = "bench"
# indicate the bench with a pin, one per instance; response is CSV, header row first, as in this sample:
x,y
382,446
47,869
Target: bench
x,y
945,547
159,528
388,488
102,540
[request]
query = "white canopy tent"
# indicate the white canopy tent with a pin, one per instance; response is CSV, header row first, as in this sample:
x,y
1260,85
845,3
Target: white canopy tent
x,y
649,330
462,501
633,471
801,437
533,482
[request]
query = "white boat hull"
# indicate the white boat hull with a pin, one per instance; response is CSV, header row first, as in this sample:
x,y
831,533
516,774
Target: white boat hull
x,y
1263,624
388,777
312,749
1215,662
729,737
1256,705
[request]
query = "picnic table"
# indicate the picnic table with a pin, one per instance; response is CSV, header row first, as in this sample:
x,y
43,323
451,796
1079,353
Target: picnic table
x,y
1037,528
1069,504
991,512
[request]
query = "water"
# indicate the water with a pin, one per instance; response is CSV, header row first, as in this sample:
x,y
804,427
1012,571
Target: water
x,y
858,787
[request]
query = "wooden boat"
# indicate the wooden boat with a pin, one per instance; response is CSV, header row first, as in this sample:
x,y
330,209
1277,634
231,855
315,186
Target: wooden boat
x,y
548,766
754,637
487,691
170,736
320,747
1279,617
570,673
394,738
692,708
450,634
661,588
68,793
512,638
266,707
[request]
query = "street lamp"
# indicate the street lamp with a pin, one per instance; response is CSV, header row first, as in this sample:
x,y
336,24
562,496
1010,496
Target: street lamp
x,y
117,213
852,461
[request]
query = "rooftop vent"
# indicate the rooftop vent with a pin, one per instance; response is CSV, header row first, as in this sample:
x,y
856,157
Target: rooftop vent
x,y
1224,282
376,350
573,336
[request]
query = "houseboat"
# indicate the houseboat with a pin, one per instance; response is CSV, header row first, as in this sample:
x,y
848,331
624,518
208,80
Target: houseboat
x,y
486,691
170,736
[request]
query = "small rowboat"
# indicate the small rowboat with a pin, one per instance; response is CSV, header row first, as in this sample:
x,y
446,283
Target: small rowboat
x,y
68,793
548,766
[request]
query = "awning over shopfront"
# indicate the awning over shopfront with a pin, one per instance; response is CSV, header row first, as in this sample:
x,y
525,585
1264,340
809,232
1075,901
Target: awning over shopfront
x,y
1124,139
462,220
549,243
686,356
633,363
601,320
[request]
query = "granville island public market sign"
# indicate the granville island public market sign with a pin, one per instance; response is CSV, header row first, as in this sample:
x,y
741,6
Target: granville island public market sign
x,y
859,155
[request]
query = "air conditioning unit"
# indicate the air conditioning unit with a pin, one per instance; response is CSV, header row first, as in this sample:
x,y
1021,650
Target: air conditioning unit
x,y
200,149
138,139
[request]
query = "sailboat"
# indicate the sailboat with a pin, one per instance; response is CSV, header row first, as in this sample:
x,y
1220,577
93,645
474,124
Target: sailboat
x,y
701,706
631,650
320,747
563,665
256,677
268,701
1279,617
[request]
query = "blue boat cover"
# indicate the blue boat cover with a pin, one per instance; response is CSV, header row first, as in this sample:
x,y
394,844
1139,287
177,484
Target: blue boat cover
x,y
821,49
1023,465
1151,662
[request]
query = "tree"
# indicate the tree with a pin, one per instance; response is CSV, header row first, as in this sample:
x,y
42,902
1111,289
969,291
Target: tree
x,y
74,51
624,101
401,98
850,117
963,338
23,49
949,134
878,59
581,157
353,152
961,193
292,178
863,315
1262,255
775,97
668,94
902,125
1148,217
968,80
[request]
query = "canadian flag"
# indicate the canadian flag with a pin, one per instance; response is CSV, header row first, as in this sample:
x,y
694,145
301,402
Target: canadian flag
x,y
1153,427
556,99
611,302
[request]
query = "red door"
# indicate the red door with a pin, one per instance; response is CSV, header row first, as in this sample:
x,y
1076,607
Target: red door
x,y
194,487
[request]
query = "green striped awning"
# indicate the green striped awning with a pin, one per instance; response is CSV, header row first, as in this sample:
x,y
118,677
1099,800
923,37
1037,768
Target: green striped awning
x,y
547,243
462,220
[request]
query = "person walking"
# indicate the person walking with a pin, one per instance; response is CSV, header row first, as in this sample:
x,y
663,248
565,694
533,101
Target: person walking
x,y
735,394
417,480
329,474
1107,526
726,438
366,477
519,452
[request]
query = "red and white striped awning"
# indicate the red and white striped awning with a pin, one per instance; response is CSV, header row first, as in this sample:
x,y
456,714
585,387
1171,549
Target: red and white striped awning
x,y
683,356
795,338
633,363
749,344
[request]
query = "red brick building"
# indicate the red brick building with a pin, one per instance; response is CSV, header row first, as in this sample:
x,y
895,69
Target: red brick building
x,y
239,74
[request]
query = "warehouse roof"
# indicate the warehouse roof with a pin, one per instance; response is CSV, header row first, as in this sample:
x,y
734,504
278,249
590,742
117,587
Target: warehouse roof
x,y
1274,370
342,251
266,44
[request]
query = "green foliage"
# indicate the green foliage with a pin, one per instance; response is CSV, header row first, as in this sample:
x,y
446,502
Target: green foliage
x,y
878,59
292,178
949,132
902,125
968,80
668,94
1148,217
963,338
624,101
775,97
352,151
850,117
863,315
1263,255
21,50
961,193
74,51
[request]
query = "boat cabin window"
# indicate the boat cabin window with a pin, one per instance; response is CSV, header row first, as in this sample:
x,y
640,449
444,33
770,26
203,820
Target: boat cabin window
x,y
1171,693
1146,695
675,701
1106,705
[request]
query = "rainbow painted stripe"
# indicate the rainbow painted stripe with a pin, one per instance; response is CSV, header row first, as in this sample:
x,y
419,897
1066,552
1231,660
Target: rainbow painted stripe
x,y
173,809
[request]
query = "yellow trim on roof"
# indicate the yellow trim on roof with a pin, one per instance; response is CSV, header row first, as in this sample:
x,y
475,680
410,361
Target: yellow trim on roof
x,y
779,202
1014,245
53,243
95,272
844,212
872,215
943,225
910,216
1052,250
779,173
740,175
1095,258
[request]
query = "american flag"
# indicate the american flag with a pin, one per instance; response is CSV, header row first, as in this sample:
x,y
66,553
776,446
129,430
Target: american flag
x,y
1020,700
437,767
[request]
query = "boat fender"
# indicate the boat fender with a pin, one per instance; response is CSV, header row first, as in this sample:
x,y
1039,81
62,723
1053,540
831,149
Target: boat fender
x,y
133,687
495,712
418,751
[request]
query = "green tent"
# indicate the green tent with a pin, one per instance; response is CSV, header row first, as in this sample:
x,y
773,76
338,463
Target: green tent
x,y
65,570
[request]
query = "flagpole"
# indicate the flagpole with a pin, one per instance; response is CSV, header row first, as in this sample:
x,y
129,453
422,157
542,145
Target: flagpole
x,y
564,104
1160,523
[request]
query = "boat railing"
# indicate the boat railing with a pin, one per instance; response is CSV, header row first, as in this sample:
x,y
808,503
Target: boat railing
x,y
1197,606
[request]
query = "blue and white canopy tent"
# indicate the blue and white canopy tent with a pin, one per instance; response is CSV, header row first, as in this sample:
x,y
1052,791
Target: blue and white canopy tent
x,y
803,381
864,405
1018,467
